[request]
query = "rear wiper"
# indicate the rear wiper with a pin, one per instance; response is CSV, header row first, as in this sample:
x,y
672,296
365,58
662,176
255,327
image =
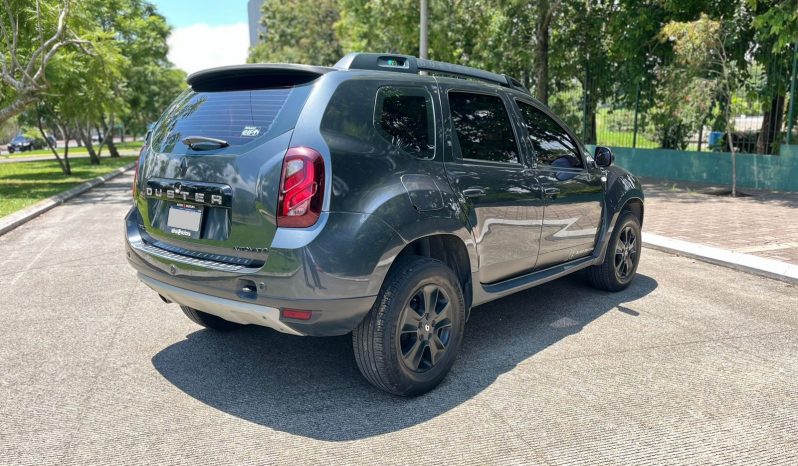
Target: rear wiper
x,y
204,143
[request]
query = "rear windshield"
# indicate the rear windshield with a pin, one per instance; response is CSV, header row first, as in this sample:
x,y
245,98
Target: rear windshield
x,y
237,117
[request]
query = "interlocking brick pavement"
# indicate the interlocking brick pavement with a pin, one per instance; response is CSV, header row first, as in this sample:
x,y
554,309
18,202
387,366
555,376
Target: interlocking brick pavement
x,y
761,223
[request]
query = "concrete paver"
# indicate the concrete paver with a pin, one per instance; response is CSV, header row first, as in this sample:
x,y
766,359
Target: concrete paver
x,y
762,223
692,364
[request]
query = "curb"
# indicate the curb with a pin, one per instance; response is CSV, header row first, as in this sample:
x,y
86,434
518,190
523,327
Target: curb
x,y
16,219
735,260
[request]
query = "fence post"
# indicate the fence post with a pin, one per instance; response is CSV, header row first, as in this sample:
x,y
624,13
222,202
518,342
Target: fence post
x,y
585,97
637,110
791,112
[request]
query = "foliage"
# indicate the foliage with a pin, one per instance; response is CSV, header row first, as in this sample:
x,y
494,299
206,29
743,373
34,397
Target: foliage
x,y
32,34
120,72
299,31
777,22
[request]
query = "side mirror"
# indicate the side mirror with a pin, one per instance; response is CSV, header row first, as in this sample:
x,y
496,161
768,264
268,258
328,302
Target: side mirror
x,y
603,156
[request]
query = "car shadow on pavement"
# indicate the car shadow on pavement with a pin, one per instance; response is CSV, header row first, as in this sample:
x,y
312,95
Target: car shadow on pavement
x,y
312,387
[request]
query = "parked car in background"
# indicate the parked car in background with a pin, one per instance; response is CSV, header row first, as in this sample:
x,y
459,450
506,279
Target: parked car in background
x,y
21,144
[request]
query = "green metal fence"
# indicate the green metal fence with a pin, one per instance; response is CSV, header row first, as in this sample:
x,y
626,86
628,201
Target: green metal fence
x,y
762,116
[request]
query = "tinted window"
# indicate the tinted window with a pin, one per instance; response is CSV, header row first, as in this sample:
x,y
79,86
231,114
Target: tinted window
x,y
404,117
237,117
551,143
482,127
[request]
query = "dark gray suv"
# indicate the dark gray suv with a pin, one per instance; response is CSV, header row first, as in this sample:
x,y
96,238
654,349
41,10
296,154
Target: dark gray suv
x,y
385,196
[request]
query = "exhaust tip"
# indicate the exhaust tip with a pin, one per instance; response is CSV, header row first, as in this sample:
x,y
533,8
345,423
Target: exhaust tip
x,y
165,299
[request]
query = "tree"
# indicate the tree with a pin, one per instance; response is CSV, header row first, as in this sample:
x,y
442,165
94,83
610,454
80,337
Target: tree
x,y
776,25
299,31
151,82
701,48
32,35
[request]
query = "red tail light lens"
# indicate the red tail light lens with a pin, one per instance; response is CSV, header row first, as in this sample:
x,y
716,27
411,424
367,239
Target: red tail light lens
x,y
301,188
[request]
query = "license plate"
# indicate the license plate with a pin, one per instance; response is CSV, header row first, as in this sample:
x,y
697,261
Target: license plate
x,y
184,220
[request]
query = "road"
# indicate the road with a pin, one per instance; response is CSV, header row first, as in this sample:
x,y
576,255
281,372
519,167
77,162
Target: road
x,y
692,364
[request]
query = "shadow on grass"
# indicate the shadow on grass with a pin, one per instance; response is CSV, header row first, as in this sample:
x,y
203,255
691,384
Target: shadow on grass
x,y
311,386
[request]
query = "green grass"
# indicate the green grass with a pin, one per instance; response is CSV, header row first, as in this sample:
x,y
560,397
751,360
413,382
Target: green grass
x,y
25,183
124,146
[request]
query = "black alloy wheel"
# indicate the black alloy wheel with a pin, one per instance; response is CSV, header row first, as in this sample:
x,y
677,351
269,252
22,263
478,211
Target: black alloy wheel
x,y
424,328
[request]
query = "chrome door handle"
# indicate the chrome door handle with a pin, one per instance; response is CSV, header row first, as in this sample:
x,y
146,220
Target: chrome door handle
x,y
474,192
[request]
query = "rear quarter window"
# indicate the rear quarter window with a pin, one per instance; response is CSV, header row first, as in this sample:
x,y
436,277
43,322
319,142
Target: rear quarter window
x,y
404,117
238,117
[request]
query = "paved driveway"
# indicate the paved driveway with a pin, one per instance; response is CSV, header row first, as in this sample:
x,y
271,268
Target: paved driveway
x,y
694,363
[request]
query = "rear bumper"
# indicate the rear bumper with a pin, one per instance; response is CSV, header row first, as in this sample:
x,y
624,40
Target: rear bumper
x,y
337,286
234,311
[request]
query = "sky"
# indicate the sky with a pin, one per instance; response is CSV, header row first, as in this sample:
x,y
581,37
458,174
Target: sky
x,y
206,33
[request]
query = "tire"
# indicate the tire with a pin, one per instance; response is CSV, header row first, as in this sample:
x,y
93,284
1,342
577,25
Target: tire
x,y
385,354
209,320
621,258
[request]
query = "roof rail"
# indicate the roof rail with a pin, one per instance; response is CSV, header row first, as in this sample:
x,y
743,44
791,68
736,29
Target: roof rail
x,y
411,64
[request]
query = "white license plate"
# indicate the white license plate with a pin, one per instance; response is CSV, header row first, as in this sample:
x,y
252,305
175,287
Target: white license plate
x,y
184,221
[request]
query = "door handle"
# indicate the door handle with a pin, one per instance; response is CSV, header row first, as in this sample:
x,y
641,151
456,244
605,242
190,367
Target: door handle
x,y
550,193
474,192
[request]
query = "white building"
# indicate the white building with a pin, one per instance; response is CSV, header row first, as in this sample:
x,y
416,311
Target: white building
x,y
253,14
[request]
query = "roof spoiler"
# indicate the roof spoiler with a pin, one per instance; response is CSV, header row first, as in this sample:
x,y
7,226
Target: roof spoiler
x,y
254,76
411,64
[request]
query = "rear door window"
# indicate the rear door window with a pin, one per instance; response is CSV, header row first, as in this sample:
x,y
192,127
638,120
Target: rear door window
x,y
404,117
482,127
237,117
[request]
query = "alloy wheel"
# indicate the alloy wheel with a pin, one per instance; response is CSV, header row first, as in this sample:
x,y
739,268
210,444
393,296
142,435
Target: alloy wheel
x,y
626,253
425,328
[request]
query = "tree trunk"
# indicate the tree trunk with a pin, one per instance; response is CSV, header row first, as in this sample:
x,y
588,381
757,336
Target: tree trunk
x,y
109,136
66,136
772,119
64,168
83,134
542,51
100,140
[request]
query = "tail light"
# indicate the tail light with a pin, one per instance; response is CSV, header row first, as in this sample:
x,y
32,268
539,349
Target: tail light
x,y
301,188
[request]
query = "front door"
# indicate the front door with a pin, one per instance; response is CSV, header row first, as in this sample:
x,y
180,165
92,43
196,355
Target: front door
x,y
572,188
485,167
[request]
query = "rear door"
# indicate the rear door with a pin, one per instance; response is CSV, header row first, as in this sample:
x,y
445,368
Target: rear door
x,y
573,189
496,190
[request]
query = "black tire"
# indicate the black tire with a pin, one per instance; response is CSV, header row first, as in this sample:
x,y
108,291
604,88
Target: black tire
x,y
382,347
608,275
209,320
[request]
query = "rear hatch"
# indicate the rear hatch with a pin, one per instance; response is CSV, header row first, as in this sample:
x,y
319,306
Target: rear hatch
x,y
209,177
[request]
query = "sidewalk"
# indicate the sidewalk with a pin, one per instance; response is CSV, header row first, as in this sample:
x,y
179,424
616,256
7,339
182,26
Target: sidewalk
x,y
763,224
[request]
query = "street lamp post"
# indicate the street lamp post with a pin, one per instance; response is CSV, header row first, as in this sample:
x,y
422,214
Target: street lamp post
x,y
423,41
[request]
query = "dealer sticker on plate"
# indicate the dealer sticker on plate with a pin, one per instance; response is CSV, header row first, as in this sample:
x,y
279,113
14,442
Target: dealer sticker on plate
x,y
184,220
